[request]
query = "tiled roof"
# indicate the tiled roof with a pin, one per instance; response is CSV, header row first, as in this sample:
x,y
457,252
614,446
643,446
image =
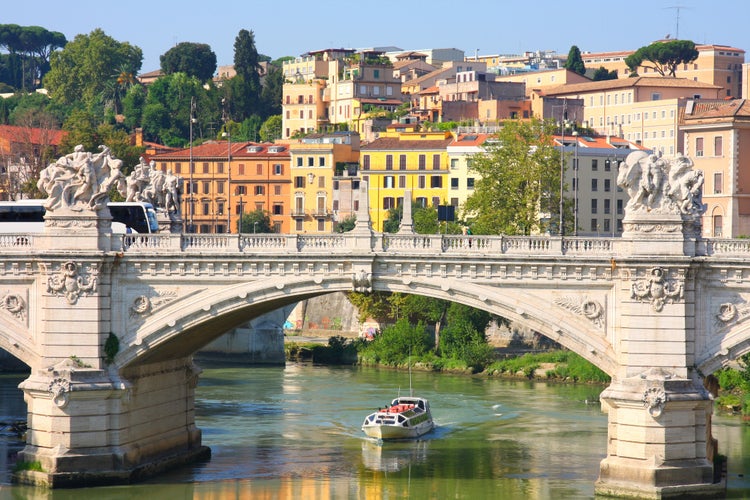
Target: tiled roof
x,y
598,141
466,140
394,143
621,83
719,109
220,149
25,135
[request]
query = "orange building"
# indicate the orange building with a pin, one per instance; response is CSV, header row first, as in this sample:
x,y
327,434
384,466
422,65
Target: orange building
x,y
228,179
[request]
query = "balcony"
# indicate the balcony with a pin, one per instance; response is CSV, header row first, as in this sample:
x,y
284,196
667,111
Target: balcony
x,y
298,213
322,214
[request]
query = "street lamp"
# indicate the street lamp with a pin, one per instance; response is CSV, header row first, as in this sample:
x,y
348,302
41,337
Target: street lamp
x,y
241,216
575,186
255,226
229,164
563,118
190,167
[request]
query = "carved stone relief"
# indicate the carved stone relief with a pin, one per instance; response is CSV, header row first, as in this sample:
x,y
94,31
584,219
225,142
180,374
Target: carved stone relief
x,y
15,305
657,289
70,283
592,310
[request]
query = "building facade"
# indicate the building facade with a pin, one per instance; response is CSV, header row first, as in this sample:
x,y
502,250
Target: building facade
x,y
227,180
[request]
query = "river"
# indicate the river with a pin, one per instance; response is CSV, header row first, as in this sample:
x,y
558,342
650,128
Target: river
x,y
294,432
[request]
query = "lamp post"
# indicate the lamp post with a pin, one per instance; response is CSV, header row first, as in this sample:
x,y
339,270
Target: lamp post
x,y
575,186
242,213
229,164
255,226
190,167
563,117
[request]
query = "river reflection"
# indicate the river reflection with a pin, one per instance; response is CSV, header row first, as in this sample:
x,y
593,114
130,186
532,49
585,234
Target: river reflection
x,y
294,432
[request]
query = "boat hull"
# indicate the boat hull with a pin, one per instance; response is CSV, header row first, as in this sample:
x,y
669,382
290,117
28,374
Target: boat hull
x,y
380,431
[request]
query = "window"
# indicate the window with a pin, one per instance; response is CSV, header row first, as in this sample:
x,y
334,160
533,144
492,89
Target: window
x,y
607,206
321,181
594,225
421,182
299,181
298,225
277,190
619,207
421,201
699,146
402,181
278,209
220,208
436,181
718,146
388,181
206,208
655,96
258,190
594,165
435,162
470,183
718,182
206,187
389,202
278,169
178,168
594,184
389,162
402,162
205,167
310,161
717,223
299,161
594,205
422,162
366,162
607,225
454,163
607,185
240,190
454,183
259,169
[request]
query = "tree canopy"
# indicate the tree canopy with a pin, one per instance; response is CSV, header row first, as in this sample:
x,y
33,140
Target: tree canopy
x,y
519,175
603,73
575,61
29,49
193,59
663,57
82,71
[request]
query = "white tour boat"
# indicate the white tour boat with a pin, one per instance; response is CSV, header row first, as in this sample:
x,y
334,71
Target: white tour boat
x,y
406,417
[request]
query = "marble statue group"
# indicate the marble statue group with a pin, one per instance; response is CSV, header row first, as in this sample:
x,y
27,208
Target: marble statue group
x,y
82,181
657,185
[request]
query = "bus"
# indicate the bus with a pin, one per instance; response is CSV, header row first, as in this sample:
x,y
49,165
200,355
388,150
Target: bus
x,y
27,216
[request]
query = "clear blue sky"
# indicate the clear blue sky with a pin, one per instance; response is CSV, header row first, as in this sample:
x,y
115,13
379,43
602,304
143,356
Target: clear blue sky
x,y
292,27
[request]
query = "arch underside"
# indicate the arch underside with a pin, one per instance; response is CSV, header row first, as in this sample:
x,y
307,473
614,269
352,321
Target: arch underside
x,y
16,340
187,325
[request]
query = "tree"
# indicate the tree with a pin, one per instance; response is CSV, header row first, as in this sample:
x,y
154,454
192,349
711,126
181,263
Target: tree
x,y
575,61
243,91
519,177
345,225
80,73
664,56
271,129
603,74
256,221
193,59
29,47
272,93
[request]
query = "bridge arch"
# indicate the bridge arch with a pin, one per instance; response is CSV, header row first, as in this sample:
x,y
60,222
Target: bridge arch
x,y
733,344
186,326
16,340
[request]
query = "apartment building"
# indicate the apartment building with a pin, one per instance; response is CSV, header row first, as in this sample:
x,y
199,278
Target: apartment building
x,y
461,177
543,79
24,152
405,158
335,87
616,107
316,160
717,135
591,168
718,65
225,180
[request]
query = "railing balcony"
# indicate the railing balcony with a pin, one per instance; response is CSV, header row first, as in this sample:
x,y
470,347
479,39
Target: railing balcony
x,y
298,213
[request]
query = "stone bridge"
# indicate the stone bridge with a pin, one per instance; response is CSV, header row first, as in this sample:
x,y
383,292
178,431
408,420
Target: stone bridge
x,y
109,323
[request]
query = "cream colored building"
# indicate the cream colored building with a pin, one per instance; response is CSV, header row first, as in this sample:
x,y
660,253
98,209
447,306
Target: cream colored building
x,y
539,80
719,65
461,179
619,107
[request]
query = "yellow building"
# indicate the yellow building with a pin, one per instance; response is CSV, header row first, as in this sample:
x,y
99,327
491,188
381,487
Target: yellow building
x,y
403,158
315,160
718,65
304,110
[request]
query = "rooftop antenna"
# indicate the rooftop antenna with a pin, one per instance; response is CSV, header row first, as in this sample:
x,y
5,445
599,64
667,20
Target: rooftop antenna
x,y
677,9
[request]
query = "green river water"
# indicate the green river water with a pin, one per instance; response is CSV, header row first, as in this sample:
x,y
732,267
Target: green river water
x,y
294,432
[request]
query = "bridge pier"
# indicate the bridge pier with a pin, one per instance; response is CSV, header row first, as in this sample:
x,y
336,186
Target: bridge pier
x,y
89,427
660,442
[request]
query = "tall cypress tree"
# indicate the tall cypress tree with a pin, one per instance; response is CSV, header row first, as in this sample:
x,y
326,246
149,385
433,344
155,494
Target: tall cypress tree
x,y
575,61
246,88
